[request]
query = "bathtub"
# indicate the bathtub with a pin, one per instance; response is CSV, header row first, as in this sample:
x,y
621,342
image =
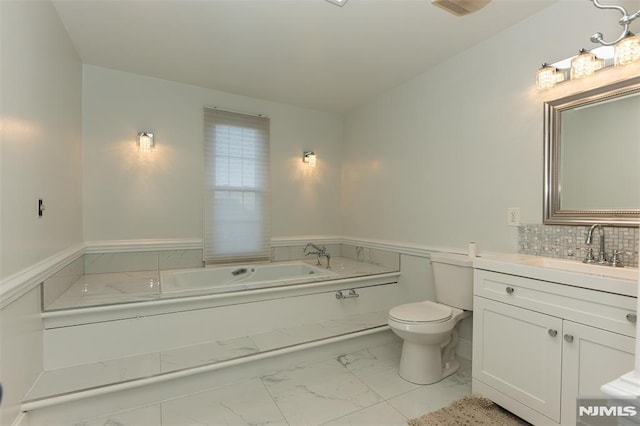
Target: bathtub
x,y
241,277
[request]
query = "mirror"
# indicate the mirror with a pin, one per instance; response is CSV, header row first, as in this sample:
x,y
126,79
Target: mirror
x,y
592,156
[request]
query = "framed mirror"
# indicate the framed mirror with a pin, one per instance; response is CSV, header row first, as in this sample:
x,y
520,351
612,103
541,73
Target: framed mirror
x,y
592,156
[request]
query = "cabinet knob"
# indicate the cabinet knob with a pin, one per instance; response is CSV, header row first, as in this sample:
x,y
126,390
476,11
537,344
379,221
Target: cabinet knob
x,y
568,338
632,318
552,332
510,290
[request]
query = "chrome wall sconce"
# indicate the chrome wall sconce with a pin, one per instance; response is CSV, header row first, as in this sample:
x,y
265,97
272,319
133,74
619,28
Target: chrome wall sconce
x,y
624,50
309,157
145,141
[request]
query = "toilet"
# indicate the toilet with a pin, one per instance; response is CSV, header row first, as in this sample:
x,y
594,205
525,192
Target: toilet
x,y
430,329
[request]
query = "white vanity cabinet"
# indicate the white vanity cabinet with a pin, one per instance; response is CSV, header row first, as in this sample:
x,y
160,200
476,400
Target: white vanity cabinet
x,y
539,345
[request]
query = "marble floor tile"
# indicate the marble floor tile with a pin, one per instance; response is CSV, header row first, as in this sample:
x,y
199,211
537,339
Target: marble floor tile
x,y
244,403
381,414
429,398
62,380
313,394
206,353
145,416
372,360
388,383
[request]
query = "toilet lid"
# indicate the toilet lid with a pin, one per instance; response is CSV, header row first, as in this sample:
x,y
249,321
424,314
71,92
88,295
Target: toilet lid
x,y
421,312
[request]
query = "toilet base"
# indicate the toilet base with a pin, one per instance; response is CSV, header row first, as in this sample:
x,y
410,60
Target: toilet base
x,y
422,364
426,364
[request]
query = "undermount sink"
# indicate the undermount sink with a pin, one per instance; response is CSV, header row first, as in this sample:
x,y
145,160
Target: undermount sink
x,y
626,273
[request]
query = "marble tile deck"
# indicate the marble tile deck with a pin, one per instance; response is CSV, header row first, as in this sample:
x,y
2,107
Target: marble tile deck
x,y
359,388
110,288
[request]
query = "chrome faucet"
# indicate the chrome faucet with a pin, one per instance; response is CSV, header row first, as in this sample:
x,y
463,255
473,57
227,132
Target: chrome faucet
x,y
320,252
602,258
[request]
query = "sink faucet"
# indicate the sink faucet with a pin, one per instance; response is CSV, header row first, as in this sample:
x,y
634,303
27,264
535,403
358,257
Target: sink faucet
x,y
320,252
602,258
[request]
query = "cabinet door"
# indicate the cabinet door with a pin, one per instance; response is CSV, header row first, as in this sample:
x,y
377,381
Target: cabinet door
x,y
518,352
592,357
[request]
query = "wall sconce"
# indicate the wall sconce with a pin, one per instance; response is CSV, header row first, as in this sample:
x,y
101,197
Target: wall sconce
x,y
627,51
145,141
309,157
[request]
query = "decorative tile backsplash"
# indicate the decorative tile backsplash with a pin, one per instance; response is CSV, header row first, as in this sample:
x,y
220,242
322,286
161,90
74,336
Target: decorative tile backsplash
x,y
567,242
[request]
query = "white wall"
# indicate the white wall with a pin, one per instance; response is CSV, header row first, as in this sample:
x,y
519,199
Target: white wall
x,y
129,195
41,136
439,160
40,156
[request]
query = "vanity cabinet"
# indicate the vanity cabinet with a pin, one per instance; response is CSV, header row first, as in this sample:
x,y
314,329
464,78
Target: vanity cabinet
x,y
539,345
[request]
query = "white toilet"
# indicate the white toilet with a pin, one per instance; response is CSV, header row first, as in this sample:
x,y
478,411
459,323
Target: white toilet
x,y
429,329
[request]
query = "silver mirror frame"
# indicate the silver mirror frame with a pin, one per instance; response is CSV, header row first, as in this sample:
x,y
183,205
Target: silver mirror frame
x,y
553,213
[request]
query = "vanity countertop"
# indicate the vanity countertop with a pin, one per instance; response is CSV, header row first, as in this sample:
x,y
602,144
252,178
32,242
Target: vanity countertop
x,y
605,278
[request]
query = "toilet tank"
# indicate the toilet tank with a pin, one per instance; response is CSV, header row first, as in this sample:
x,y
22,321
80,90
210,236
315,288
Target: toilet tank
x,y
453,278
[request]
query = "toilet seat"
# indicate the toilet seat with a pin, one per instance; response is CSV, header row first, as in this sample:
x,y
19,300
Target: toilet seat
x,y
421,313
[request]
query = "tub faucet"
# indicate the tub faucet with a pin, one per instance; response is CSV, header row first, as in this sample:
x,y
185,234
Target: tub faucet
x,y
602,258
320,252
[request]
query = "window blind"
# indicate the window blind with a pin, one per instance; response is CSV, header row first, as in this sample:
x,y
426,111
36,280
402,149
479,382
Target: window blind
x,y
236,200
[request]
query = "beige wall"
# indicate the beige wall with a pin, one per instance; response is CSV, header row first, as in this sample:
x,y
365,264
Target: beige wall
x,y
128,195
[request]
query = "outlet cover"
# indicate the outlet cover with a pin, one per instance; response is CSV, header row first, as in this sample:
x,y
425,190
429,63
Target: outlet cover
x,y
513,216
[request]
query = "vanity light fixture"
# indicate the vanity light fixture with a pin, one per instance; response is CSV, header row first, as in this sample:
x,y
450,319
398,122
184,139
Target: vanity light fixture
x,y
145,141
309,157
627,51
585,64
548,76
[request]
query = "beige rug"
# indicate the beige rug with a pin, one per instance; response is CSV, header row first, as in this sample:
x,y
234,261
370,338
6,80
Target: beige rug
x,y
469,410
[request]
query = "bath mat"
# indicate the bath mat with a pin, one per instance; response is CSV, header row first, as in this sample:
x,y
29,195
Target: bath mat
x,y
469,410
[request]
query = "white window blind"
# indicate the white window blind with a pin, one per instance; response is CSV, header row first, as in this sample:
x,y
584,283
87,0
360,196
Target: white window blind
x,y
236,201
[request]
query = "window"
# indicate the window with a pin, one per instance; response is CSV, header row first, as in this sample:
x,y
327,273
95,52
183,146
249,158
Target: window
x,y
236,201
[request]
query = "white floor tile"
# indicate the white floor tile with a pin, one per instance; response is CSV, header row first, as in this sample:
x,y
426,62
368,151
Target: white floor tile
x,y
145,416
372,360
245,403
431,397
381,414
316,393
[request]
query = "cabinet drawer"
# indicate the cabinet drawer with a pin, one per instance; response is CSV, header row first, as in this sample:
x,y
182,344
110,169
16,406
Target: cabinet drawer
x,y
607,311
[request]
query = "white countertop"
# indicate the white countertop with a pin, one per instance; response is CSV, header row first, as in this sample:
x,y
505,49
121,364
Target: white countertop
x,y
605,278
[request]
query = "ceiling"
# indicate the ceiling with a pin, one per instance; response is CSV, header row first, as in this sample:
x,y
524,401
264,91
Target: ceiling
x,y
309,53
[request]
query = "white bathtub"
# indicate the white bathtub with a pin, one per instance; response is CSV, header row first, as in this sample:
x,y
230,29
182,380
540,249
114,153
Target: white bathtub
x,y
241,277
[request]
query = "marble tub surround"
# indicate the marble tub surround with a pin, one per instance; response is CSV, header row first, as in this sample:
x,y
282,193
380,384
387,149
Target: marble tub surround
x,y
107,289
58,283
374,256
561,241
138,286
100,263
355,388
109,372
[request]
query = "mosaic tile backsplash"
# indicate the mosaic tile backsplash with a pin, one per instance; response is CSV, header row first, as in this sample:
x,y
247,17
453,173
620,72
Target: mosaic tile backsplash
x,y
567,242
